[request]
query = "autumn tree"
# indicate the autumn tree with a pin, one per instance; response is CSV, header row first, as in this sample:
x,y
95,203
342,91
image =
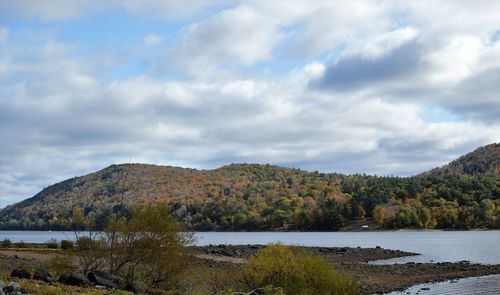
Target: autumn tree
x,y
379,215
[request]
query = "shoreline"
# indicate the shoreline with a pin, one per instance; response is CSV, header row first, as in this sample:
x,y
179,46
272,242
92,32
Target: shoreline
x,y
373,278
285,231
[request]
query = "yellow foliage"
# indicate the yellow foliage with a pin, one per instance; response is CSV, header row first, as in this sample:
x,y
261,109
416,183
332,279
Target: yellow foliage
x,y
296,271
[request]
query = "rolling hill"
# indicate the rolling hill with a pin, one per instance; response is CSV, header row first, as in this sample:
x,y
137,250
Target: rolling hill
x,y
483,161
462,194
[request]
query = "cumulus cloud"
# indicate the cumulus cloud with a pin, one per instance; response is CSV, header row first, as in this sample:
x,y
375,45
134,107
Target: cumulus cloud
x,y
457,73
352,97
359,71
236,36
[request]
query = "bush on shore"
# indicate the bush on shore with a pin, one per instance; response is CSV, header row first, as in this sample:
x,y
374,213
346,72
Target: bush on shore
x,y
66,244
147,246
296,271
6,243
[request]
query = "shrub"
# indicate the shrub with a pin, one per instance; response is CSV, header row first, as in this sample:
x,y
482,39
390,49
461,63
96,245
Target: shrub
x,y
21,244
91,253
149,246
52,244
296,271
6,243
66,245
61,264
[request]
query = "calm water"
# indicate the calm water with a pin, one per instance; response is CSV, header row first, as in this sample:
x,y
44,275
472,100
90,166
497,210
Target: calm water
x,y
486,285
434,246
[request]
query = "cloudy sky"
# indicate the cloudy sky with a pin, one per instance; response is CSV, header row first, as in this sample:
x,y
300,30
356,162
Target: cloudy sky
x,y
381,87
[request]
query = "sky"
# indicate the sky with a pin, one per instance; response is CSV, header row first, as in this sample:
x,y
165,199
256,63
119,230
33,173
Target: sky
x,y
376,87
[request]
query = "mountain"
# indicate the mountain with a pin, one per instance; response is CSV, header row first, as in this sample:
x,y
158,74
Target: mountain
x,y
482,161
463,194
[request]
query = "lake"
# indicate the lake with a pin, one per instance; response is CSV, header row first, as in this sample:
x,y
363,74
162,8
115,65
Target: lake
x,y
434,246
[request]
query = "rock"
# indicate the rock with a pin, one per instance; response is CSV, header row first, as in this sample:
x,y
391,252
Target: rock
x,y
20,273
74,280
12,288
425,289
136,287
2,285
106,280
42,275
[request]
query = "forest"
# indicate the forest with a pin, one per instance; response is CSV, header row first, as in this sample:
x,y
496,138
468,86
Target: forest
x,y
263,197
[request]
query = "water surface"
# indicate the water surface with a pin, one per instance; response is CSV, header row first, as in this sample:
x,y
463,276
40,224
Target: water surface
x,y
434,246
486,285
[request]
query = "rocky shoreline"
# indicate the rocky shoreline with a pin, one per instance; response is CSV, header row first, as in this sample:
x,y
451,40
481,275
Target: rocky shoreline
x,y
373,279
379,279
332,254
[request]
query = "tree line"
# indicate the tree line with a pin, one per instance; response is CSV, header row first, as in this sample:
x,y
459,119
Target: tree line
x,y
264,197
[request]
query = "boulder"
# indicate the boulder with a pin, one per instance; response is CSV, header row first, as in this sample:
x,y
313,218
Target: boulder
x,y
42,275
74,280
14,288
136,287
20,273
107,280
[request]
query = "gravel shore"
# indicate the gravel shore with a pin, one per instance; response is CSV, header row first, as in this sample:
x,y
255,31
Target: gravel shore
x,y
374,279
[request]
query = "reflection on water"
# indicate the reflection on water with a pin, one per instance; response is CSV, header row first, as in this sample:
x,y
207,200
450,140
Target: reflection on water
x,y
486,285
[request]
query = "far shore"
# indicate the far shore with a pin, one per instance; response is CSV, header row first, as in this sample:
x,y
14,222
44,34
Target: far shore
x,y
283,231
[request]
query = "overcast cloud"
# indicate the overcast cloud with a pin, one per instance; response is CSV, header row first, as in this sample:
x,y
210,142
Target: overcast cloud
x,y
379,87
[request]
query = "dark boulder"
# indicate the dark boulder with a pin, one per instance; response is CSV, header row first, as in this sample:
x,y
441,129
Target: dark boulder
x,y
136,287
106,280
74,280
20,273
42,275
14,288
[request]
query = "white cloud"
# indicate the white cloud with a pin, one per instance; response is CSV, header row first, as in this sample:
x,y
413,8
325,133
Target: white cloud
x,y
61,115
455,61
237,36
382,44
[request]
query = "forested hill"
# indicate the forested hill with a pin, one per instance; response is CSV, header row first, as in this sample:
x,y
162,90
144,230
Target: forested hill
x,y
264,197
483,161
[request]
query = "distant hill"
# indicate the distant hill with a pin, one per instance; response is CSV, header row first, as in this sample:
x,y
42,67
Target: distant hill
x,y
482,161
463,194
